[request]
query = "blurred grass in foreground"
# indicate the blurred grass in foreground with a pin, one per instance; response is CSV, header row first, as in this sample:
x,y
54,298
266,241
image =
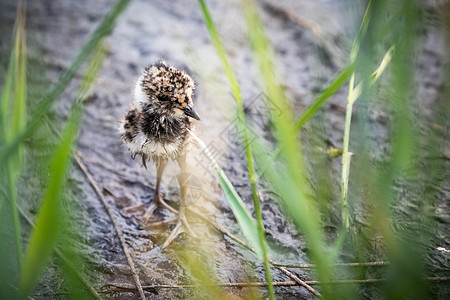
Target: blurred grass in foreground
x,y
18,279
372,203
49,220
258,241
387,205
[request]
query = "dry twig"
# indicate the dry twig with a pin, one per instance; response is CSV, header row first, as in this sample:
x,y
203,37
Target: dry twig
x,y
121,286
297,281
281,267
113,220
242,243
363,264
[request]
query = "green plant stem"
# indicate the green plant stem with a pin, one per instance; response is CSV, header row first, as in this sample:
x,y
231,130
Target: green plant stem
x,y
337,82
345,172
14,118
289,178
241,120
346,157
243,216
12,194
44,235
353,94
334,86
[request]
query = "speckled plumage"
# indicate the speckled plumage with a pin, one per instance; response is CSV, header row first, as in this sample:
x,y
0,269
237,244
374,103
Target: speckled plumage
x,y
156,124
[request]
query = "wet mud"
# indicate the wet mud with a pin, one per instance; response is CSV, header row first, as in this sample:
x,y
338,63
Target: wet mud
x,y
308,55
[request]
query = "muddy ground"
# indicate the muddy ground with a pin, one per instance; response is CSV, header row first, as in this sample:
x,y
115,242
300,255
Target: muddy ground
x,y
310,50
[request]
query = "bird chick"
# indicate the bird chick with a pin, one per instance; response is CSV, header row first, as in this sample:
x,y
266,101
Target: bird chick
x,y
157,125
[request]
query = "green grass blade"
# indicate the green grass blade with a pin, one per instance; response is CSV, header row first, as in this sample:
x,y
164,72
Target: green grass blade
x,y
337,82
334,86
20,83
13,112
243,216
45,103
344,187
5,99
10,257
44,236
48,225
403,163
235,88
383,65
220,49
290,181
353,95
18,121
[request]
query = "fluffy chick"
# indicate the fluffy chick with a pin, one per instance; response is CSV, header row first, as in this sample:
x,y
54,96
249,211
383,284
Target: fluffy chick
x,y
156,125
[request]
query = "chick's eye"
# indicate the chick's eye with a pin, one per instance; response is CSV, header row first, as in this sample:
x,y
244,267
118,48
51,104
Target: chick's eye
x,y
164,98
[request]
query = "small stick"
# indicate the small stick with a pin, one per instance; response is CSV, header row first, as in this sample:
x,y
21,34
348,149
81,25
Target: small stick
x,y
122,286
363,264
65,259
113,220
242,243
224,231
95,162
305,284
134,207
163,223
297,281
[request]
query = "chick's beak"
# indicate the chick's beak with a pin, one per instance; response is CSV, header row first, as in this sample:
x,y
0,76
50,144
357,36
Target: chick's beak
x,y
189,110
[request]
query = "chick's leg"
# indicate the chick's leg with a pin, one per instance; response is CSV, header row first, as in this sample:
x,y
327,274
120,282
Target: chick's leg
x,y
157,199
182,224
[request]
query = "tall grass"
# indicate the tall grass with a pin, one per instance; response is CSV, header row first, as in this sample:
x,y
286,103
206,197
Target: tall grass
x,y
13,100
402,165
19,279
386,206
49,220
288,177
346,156
242,124
387,36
